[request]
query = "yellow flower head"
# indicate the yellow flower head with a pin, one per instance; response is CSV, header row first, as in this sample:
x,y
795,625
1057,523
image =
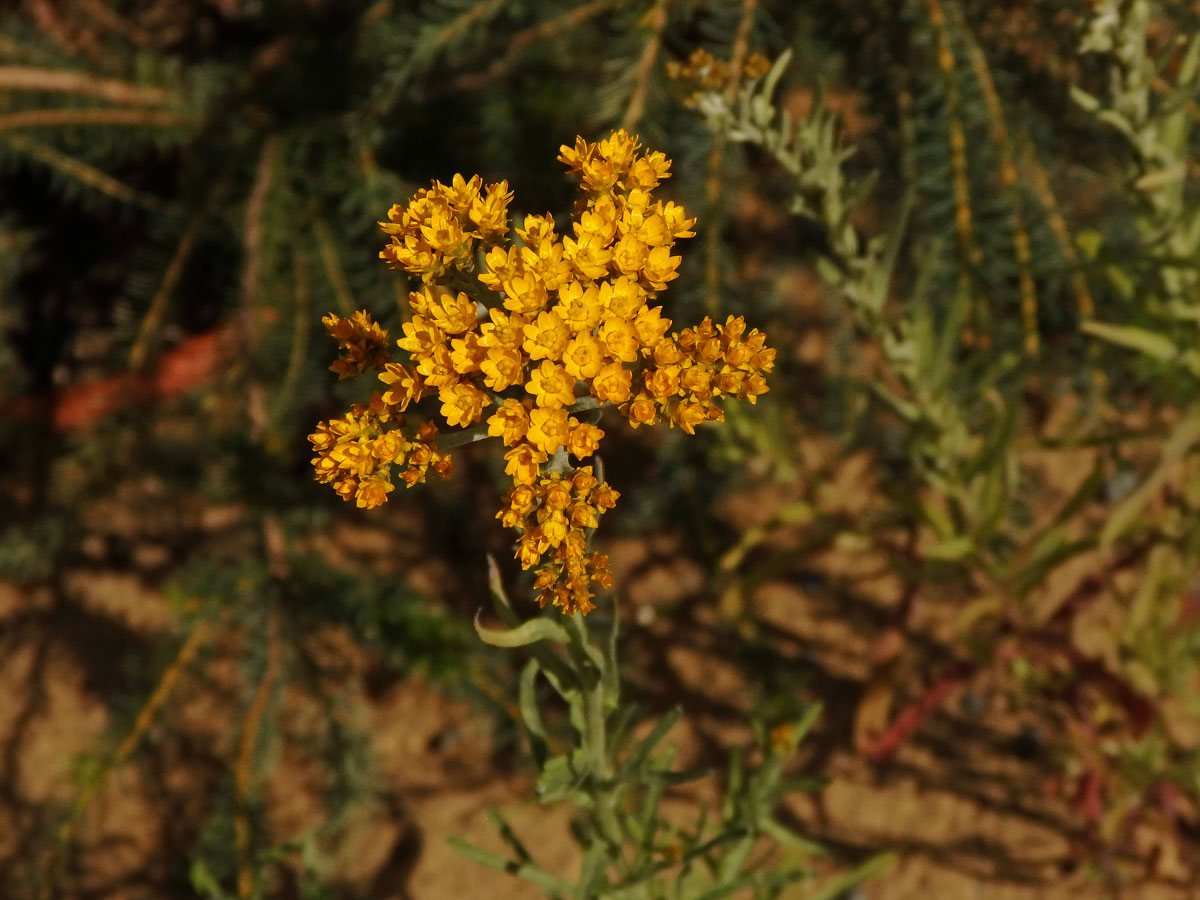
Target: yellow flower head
x,y
622,297
462,404
489,212
453,314
612,384
438,368
547,312
502,367
523,463
641,410
549,429
546,337
584,439
503,330
421,336
583,356
650,326
551,385
510,422
619,339
580,309
362,342
467,354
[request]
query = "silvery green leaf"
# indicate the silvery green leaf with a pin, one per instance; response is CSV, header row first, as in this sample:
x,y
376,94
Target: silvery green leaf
x,y
1150,343
530,633
560,776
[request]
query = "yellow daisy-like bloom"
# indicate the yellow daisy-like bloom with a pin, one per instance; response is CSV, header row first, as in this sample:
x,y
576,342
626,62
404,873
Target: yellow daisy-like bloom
x,y
372,492
462,404
554,529
467,355
584,439
454,314
549,429
547,312
641,410
546,337
502,368
524,462
551,385
489,212
537,233
589,257
525,294
695,379
622,297
500,266
649,326
612,384
666,352
406,386
658,267
510,422
438,368
619,339
581,309
662,383
631,255
421,336
583,356
503,330
362,342
597,226
688,415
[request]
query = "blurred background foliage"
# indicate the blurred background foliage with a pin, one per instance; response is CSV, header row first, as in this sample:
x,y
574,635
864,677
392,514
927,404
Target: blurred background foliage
x,y
973,243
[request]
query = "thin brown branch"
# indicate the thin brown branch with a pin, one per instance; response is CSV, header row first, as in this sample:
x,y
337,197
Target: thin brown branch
x,y
54,118
970,254
46,15
656,20
82,172
101,14
256,202
68,81
740,49
156,310
1008,178
503,65
327,248
713,182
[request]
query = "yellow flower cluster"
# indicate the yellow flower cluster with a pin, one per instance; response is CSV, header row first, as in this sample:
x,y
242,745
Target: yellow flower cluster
x,y
531,334
709,75
357,453
363,344
552,514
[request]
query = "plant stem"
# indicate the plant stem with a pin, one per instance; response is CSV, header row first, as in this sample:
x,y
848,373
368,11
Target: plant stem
x,y
595,744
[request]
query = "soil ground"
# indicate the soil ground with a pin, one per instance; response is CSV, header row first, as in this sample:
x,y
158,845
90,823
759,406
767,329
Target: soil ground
x,y
969,803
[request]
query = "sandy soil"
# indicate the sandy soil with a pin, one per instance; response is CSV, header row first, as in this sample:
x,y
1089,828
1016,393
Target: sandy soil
x,y
972,804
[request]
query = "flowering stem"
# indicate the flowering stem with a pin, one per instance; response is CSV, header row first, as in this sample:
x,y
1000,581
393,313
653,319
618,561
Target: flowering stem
x,y
480,432
590,663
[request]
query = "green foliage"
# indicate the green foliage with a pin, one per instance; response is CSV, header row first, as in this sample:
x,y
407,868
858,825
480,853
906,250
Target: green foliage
x,y
631,847
938,375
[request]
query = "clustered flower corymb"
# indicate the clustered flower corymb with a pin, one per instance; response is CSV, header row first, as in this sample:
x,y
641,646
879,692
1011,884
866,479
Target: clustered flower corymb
x,y
706,75
531,335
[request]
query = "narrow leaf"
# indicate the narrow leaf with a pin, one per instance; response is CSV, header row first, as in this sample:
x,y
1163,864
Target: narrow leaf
x,y
1151,343
530,633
